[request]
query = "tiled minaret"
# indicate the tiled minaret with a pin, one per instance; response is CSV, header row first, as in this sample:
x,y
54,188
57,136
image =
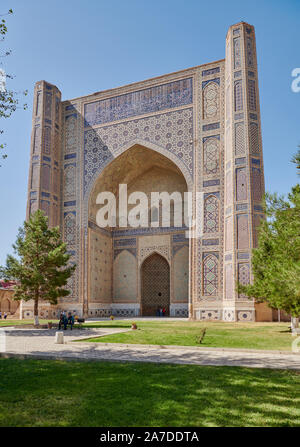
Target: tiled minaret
x,y
44,173
244,182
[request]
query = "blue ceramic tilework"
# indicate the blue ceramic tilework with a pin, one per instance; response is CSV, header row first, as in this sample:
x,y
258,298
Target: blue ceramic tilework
x,y
211,71
258,208
212,126
125,242
243,256
239,116
96,156
210,242
211,182
71,252
70,212
179,237
211,136
215,193
72,203
154,99
119,250
142,231
241,206
216,80
216,254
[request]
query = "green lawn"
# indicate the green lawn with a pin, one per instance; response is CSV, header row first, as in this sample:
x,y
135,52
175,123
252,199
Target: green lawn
x,y
10,322
227,335
57,393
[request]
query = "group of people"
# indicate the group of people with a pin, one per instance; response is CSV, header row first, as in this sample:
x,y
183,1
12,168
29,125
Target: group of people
x,y
65,320
4,315
161,311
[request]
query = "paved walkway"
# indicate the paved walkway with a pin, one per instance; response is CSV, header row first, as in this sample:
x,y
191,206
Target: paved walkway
x,y
39,343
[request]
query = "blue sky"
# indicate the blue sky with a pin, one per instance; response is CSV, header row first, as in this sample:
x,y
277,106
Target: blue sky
x,y
92,45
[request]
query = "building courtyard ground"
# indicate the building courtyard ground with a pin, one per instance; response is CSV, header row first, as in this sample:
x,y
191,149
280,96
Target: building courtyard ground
x,y
95,380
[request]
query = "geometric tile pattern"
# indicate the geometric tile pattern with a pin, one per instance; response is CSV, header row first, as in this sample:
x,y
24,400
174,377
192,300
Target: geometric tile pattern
x,y
155,277
243,276
241,184
172,131
256,184
211,99
252,94
254,139
238,96
239,139
242,231
210,276
211,215
211,156
237,52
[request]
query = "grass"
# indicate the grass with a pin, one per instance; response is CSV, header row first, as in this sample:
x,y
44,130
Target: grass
x,y
58,393
9,322
268,336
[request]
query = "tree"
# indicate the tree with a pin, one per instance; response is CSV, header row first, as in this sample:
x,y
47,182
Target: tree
x,y
296,160
42,270
276,260
8,98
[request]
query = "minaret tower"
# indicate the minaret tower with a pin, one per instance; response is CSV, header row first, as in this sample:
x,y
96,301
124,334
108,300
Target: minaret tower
x,y
45,155
244,181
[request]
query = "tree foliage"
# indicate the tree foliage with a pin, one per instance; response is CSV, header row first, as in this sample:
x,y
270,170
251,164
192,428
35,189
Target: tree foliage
x,y
296,160
42,268
276,260
9,99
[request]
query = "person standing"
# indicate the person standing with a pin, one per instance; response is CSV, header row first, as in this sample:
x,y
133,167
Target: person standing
x,y
71,320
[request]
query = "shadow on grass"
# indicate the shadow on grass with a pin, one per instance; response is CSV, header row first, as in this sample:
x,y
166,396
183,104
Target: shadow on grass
x,y
56,393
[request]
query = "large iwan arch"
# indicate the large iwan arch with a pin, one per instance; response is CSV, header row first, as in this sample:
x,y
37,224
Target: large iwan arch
x,y
195,130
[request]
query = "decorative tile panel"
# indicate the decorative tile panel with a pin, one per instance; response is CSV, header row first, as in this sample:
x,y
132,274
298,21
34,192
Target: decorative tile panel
x,y
154,99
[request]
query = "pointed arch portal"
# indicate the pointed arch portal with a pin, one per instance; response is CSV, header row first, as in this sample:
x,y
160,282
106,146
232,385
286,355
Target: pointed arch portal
x,y
155,285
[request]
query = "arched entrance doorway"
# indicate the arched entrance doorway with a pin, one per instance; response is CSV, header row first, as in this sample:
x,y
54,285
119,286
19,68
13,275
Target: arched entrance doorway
x,y
155,282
